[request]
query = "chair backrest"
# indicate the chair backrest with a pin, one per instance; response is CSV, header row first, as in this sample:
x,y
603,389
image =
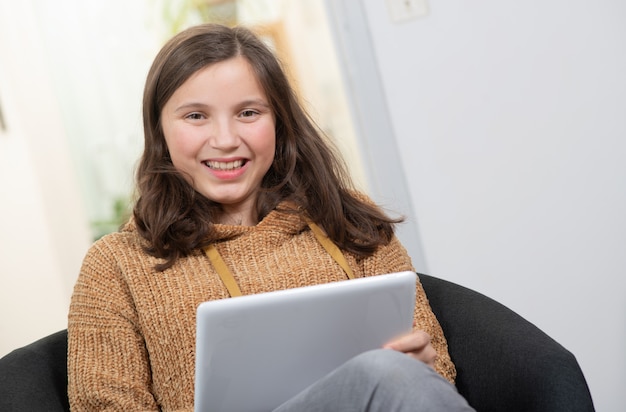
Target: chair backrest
x,y
504,363
34,378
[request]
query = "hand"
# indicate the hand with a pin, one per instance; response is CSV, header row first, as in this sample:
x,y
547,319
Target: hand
x,y
415,344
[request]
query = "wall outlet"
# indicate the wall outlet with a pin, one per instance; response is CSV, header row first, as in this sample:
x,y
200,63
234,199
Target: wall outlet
x,y
403,10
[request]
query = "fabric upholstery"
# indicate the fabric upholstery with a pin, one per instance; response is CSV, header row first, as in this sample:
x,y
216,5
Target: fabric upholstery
x,y
34,378
504,362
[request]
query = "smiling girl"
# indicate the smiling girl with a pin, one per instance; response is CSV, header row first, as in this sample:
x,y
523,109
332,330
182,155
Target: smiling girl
x,y
233,169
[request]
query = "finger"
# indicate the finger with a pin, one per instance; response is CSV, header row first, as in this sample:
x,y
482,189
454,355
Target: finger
x,y
428,356
411,342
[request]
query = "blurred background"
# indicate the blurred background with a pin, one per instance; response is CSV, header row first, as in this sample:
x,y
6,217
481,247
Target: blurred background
x,y
498,129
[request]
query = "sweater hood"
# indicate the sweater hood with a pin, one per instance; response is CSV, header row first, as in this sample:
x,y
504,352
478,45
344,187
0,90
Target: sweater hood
x,y
286,219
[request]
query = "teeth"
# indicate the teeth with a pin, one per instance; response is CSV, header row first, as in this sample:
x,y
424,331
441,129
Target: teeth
x,y
225,165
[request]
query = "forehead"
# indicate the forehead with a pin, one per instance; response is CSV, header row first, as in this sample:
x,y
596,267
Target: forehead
x,y
227,78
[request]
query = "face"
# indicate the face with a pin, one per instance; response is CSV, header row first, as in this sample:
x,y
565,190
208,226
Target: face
x,y
220,132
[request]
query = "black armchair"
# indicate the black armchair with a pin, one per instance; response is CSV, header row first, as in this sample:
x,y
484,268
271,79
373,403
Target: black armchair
x,y
34,378
504,363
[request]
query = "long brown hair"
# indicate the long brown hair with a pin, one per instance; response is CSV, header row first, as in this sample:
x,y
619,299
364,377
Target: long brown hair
x,y
176,220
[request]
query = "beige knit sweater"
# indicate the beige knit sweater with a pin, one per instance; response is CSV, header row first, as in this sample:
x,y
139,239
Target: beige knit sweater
x,y
132,329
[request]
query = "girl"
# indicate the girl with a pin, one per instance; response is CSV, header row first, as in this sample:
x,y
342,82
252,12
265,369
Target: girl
x,y
237,191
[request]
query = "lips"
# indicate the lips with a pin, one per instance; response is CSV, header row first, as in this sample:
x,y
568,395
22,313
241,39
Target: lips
x,y
226,166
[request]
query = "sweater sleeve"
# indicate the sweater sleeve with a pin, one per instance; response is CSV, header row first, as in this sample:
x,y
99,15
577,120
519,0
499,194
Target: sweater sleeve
x,y
393,257
108,366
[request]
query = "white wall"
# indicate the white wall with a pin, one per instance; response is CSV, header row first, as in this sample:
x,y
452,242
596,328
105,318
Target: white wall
x,y
511,123
43,233
70,89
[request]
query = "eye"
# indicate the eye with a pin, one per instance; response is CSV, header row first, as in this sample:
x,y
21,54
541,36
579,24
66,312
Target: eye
x,y
195,116
248,113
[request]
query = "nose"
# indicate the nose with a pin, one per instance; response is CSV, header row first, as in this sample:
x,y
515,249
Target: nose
x,y
223,135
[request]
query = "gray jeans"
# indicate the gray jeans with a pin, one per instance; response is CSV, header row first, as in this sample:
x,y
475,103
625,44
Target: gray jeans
x,y
380,380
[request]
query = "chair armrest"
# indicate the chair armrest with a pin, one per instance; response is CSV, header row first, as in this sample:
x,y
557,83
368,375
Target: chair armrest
x,y
34,378
504,363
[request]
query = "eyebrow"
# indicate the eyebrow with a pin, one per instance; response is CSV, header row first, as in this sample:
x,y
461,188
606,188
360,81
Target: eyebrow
x,y
198,105
191,105
253,102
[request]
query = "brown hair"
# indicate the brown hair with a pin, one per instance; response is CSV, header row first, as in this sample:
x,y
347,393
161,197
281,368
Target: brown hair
x,y
176,220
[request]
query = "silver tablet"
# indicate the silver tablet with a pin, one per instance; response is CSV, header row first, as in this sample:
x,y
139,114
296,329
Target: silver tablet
x,y
255,352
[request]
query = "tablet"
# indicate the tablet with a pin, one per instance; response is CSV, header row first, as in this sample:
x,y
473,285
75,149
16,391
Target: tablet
x,y
255,352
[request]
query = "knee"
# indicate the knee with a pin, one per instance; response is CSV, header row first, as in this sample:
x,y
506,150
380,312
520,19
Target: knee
x,y
378,359
389,379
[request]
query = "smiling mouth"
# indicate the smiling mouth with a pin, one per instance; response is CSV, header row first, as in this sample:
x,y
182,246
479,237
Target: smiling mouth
x,y
236,164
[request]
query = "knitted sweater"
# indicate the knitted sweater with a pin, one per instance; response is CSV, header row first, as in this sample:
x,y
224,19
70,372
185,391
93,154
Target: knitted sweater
x,y
132,328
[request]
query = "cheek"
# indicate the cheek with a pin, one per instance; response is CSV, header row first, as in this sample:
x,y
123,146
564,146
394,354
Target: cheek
x,y
266,140
181,159
269,149
169,140
179,144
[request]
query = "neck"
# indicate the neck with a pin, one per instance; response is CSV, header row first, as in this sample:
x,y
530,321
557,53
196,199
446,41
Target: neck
x,y
237,219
